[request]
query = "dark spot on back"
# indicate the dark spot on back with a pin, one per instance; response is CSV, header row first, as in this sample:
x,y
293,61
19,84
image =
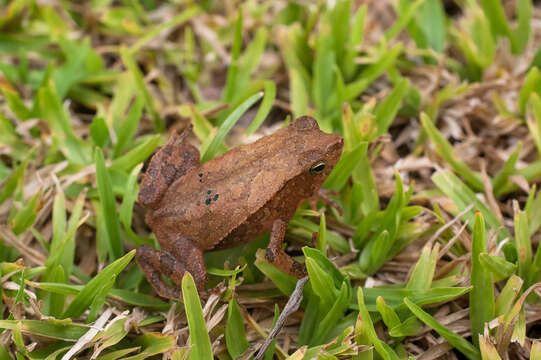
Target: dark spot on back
x,y
200,174
216,197
208,192
207,201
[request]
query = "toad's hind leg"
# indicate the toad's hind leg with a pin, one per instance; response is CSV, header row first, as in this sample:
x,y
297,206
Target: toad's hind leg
x,y
277,257
154,263
170,162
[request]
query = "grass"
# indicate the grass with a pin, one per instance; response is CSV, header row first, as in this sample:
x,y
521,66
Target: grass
x,y
436,254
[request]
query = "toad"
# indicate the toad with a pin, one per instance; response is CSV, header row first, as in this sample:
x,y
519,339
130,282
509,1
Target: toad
x,y
230,200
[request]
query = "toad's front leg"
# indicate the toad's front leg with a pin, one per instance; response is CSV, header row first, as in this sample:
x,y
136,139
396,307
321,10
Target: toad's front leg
x,y
276,255
173,261
170,162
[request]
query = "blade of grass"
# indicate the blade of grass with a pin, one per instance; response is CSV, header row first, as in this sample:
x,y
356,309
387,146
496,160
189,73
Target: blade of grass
x,y
372,72
264,108
199,337
461,344
345,166
355,39
235,334
125,131
27,215
463,196
211,151
108,207
482,294
232,71
447,152
524,246
131,66
499,267
136,155
370,332
423,273
156,30
531,84
84,299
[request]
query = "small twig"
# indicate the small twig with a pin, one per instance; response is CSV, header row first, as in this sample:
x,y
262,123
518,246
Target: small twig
x,y
292,305
448,225
453,240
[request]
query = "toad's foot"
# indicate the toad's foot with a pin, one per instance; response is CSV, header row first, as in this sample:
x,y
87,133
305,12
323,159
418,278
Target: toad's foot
x,y
277,257
154,263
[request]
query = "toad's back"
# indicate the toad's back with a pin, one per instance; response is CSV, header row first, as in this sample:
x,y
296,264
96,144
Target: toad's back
x,y
211,201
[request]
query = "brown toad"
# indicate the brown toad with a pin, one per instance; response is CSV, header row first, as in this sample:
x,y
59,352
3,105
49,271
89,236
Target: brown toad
x,y
229,200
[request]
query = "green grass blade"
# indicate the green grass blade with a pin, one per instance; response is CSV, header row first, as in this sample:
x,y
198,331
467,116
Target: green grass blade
x,y
322,285
388,315
461,344
136,155
370,332
126,130
387,109
99,133
232,71
519,38
432,22
27,215
409,327
269,354
131,66
322,235
15,180
447,152
325,264
285,282
463,196
524,246
482,294
495,14
84,299
405,15
534,121
535,353
126,296
507,170
372,72
333,315
130,195
108,207
212,149
199,337
264,108
51,110
345,166
355,39
49,328
423,273
532,83
59,218
235,334
156,30
499,267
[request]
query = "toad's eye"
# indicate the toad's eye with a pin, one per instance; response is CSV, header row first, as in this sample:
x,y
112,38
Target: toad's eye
x,y
318,167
